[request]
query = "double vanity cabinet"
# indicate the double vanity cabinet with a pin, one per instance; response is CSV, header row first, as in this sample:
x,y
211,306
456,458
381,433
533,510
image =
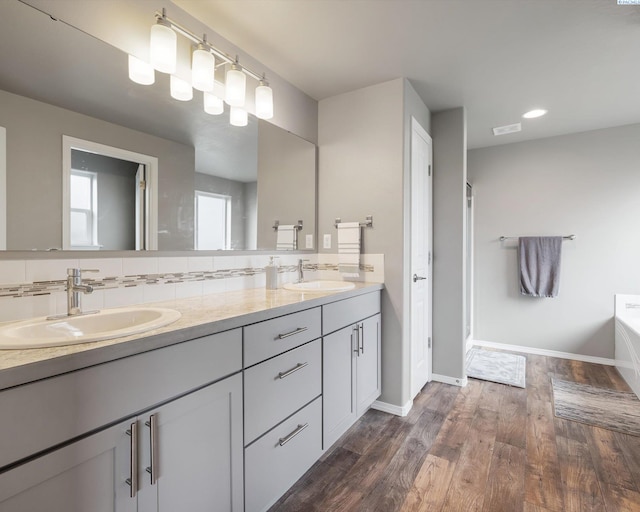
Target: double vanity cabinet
x,y
223,422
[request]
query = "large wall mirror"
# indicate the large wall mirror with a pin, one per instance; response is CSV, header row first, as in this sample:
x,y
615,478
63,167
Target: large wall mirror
x,y
218,187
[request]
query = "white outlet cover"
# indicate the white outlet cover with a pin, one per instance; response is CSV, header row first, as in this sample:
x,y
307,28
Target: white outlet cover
x,y
309,241
327,241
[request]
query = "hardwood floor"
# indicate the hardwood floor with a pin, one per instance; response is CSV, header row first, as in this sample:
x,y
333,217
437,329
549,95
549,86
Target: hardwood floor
x,y
486,447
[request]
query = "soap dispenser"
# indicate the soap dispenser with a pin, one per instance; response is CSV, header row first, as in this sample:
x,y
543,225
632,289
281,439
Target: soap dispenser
x,y
271,271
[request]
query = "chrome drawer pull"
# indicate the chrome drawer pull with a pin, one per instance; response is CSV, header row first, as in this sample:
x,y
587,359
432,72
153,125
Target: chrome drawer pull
x,y
133,465
152,469
286,439
292,333
299,366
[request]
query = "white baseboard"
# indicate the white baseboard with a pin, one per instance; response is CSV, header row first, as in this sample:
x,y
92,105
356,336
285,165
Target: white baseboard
x,y
445,379
392,409
545,352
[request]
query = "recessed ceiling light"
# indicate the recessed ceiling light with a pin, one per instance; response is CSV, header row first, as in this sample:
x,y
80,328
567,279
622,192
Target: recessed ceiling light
x,y
532,114
510,128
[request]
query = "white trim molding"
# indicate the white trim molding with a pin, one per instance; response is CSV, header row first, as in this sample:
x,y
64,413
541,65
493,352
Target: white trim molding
x,y
454,381
3,188
392,409
544,352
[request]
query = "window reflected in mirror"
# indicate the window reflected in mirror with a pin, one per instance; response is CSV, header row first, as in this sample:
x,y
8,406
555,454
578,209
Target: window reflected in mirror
x,y
213,221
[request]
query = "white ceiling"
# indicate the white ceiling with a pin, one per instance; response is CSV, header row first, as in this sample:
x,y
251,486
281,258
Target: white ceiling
x,y
499,58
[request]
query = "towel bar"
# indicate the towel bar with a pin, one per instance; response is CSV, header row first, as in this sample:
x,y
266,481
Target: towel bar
x,y
566,237
297,226
366,224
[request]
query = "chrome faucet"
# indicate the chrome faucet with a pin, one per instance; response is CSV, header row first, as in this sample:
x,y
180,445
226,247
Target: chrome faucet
x,y
301,271
74,289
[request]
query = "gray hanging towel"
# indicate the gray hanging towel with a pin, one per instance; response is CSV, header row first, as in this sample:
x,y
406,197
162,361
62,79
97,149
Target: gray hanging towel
x,y
539,259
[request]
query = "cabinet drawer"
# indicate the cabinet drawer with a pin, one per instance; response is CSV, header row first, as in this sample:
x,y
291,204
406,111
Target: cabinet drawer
x,y
279,387
272,337
54,410
346,312
277,460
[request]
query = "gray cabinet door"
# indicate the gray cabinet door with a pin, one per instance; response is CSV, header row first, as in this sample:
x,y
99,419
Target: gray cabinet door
x,y
368,364
198,452
86,476
338,378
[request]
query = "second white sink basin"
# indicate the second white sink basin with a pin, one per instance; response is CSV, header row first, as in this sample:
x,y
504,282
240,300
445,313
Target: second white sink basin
x,y
320,286
106,324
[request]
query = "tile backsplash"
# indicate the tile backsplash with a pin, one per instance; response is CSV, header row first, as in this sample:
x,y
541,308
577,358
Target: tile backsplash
x,y
30,288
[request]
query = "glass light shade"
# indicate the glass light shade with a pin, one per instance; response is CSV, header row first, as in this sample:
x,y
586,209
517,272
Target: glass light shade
x,y
218,89
202,70
235,87
264,101
140,71
238,116
163,48
181,89
212,104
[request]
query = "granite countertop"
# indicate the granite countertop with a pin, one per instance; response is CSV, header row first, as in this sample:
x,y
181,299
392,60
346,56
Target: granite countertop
x,y
201,316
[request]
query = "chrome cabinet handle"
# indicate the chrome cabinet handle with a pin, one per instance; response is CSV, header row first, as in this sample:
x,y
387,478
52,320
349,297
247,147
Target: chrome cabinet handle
x,y
357,343
151,469
361,337
299,366
292,333
284,440
416,278
132,481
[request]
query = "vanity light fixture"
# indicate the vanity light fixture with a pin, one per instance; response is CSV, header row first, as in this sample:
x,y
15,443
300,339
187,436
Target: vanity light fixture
x,y
235,85
264,100
205,59
163,45
141,72
181,89
203,65
238,116
532,114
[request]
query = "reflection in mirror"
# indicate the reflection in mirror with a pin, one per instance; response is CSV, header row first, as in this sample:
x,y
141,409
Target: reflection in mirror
x,y
109,197
78,86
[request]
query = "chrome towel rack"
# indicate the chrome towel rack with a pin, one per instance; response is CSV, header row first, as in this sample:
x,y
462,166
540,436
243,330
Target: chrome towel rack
x,y
566,237
297,226
366,224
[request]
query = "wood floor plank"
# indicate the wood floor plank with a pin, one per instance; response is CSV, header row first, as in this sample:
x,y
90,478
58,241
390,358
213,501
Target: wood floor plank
x,y
617,381
543,485
581,487
467,488
529,507
505,485
630,446
512,417
608,459
453,433
620,499
430,487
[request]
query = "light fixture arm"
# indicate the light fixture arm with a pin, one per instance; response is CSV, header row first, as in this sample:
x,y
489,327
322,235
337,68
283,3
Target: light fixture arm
x,y
225,57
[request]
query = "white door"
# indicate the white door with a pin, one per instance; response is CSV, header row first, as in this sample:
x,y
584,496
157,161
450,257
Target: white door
x,y
421,278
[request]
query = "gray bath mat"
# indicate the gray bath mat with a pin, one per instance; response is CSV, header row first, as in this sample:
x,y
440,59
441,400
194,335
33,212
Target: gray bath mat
x,y
598,407
497,367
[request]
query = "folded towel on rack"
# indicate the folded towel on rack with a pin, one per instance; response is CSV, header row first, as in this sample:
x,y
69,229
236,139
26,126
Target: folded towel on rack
x,y
287,237
539,262
349,244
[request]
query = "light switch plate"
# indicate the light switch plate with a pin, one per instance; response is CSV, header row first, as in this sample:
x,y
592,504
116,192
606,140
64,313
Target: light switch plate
x,y
327,241
309,241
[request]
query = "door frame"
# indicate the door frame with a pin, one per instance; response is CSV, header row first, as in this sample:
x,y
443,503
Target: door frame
x,y
151,185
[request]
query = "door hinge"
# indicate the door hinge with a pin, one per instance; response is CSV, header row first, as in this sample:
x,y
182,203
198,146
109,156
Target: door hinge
x,y
429,169
429,259
143,185
429,342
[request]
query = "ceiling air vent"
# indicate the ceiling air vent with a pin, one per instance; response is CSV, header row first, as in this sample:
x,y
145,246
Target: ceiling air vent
x,y
510,128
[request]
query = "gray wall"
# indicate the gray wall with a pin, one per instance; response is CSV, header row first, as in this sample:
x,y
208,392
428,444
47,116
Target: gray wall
x,y
449,222
34,170
251,215
236,190
585,184
286,184
117,186
363,158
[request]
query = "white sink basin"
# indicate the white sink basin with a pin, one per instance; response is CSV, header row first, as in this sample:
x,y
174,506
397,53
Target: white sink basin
x,y
319,286
107,324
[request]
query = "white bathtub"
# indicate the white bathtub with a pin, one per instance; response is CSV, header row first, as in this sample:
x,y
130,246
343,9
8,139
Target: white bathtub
x,y
627,318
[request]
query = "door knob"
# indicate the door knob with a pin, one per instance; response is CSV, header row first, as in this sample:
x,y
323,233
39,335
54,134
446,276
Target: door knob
x,y
416,277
